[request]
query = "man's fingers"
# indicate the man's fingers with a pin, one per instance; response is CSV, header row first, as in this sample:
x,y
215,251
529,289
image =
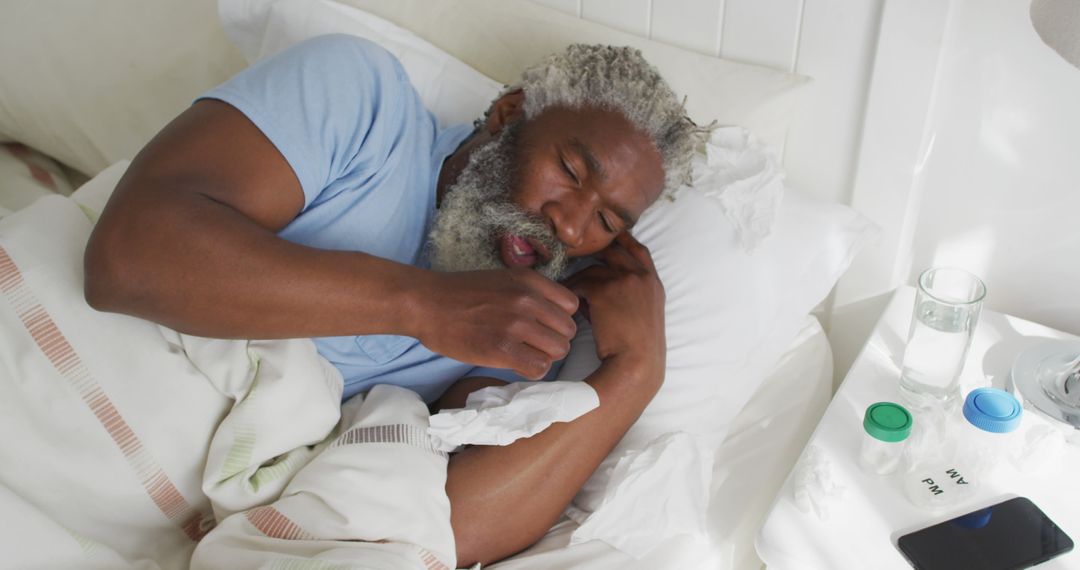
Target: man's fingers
x,y
636,249
551,343
552,291
617,256
589,274
583,282
552,317
526,360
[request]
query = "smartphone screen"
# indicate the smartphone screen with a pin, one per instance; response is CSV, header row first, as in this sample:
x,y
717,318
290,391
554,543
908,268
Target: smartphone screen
x,y
1008,535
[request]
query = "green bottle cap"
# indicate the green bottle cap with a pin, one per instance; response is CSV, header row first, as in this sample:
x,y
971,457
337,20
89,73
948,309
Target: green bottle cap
x,y
887,421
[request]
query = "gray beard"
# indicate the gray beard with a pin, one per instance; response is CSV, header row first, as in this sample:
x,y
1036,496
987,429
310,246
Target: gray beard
x,y
477,210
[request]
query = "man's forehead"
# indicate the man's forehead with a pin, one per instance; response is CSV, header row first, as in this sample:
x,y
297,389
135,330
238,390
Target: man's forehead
x,y
596,128
610,144
587,114
598,172
595,167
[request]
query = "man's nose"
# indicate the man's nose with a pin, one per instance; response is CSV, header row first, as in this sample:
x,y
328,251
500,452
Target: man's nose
x,y
569,218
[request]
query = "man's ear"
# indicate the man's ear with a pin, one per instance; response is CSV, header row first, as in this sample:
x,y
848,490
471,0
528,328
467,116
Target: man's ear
x,y
505,110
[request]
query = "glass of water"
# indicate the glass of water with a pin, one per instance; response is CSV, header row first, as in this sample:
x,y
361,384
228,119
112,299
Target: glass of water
x,y
947,307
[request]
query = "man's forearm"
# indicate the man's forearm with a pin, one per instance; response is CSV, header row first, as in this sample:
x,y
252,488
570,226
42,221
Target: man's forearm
x,y
203,268
189,239
504,498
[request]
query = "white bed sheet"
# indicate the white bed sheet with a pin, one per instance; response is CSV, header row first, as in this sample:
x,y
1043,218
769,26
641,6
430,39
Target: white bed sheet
x,y
765,440
751,464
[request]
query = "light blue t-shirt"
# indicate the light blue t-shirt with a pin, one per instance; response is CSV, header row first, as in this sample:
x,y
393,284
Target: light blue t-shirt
x,y
342,112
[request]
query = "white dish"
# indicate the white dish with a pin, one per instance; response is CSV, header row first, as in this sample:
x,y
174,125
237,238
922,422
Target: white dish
x,y
1026,380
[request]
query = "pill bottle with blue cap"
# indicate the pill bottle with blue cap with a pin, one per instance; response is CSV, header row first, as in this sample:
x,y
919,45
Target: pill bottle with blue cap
x,y
978,442
886,427
986,436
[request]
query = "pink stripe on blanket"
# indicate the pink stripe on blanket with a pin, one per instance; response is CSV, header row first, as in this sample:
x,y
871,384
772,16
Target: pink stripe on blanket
x,y
272,523
431,561
56,348
9,274
44,177
269,521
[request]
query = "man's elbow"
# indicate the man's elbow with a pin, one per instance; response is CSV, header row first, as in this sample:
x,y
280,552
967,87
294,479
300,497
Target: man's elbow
x,y
104,270
469,554
484,545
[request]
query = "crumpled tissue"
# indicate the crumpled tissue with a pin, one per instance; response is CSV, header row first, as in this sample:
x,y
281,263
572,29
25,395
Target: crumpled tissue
x,y
814,484
1040,449
501,415
655,493
743,175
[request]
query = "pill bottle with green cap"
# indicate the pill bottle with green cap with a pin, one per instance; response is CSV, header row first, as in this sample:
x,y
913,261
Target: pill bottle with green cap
x,y
886,427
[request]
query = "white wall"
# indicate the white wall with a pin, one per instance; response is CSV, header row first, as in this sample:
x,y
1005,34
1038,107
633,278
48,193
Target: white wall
x,y
833,41
1000,187
945,121
829,40
970,157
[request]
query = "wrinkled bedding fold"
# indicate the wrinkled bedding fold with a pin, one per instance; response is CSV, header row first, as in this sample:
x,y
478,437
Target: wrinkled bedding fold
x,y
134,441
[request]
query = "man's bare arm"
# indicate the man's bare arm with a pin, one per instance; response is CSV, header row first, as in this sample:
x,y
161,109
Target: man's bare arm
x,y
503,499
188,239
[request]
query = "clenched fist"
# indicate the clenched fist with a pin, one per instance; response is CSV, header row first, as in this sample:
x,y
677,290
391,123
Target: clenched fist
x,y
626,305
501,318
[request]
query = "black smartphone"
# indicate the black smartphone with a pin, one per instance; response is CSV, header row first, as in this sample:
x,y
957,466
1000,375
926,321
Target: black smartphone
x,y
1011,534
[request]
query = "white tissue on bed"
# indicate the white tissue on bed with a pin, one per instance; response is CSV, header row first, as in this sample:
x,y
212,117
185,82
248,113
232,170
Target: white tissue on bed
x,y
1041,447
500,415
654,494
814,486
743,176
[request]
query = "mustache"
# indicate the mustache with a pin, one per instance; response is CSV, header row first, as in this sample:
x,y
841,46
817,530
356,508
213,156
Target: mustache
x,y
478,210
509,218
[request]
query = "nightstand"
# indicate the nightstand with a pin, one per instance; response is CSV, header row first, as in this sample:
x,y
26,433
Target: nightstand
x,y
867,513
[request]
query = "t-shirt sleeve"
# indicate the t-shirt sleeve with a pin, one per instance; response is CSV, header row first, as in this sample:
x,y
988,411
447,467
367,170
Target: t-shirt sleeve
x,y
328,104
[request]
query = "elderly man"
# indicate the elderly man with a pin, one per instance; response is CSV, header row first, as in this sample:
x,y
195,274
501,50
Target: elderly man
x,y
313,195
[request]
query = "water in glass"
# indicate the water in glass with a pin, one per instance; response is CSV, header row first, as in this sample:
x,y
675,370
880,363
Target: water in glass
x,y
941,332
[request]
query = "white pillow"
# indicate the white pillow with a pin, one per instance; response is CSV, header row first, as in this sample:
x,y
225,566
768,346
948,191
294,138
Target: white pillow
x,y
731,309
90,83
730,313
26,175
499,39
453,91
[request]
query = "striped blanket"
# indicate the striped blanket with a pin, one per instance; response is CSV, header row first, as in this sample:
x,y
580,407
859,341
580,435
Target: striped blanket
x,y
125,444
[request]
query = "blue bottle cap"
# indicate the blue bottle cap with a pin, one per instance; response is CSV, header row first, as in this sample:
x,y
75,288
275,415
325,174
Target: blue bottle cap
x,y
992,410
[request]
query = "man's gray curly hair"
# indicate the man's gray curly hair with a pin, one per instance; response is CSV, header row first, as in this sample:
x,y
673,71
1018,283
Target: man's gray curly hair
x,y
617,79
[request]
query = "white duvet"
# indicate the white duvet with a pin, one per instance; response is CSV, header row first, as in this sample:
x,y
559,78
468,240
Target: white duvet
x,y
122,443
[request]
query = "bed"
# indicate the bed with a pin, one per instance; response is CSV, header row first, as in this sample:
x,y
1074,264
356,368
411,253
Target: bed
x,y
763,422
751,464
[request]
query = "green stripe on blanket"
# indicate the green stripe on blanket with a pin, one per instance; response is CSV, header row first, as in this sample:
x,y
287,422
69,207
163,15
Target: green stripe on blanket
x,y
238,460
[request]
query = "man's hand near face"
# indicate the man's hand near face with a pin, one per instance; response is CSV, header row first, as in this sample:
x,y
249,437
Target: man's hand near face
x,y
501,318
626,306
504,499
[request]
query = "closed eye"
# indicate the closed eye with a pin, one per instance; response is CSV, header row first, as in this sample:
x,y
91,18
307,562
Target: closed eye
x,y
607,226
569,171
